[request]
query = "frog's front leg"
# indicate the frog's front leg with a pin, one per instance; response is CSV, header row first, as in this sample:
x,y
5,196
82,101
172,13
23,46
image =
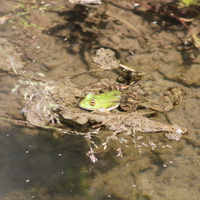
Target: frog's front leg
x,y
105,110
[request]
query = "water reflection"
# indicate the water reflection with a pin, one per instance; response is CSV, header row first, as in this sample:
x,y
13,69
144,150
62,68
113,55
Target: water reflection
x,y
41,165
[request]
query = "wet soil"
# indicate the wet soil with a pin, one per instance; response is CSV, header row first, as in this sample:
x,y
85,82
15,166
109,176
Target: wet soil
x,y
59,39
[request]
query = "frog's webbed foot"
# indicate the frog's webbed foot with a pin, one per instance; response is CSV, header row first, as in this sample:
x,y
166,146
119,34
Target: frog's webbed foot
x,y
176,133
171,99
174,95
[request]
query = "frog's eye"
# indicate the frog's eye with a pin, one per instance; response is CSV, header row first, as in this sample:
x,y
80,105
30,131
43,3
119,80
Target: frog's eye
x,y
92,102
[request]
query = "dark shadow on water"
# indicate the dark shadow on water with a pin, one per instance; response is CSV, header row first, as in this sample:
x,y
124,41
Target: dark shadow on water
x,y
41,161
81,30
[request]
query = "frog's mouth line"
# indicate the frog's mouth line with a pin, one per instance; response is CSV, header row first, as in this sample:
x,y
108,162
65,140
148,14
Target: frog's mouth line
x,y
89,110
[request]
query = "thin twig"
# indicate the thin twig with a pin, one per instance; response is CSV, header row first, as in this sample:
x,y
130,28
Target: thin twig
x,y
46,127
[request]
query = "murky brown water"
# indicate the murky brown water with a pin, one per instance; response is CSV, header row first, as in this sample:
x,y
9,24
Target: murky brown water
x,y
58,39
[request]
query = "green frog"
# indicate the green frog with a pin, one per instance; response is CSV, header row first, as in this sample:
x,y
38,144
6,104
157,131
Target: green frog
x,y
106,101
102,102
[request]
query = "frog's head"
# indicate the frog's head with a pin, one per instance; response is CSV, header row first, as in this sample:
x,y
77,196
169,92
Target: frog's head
x,y
103,102
89,102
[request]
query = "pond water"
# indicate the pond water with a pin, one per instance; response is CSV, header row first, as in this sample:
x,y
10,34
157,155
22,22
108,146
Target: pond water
x,y
58,39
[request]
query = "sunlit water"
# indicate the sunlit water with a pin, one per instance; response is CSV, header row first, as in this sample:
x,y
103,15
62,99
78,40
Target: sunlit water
x,y
42,167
